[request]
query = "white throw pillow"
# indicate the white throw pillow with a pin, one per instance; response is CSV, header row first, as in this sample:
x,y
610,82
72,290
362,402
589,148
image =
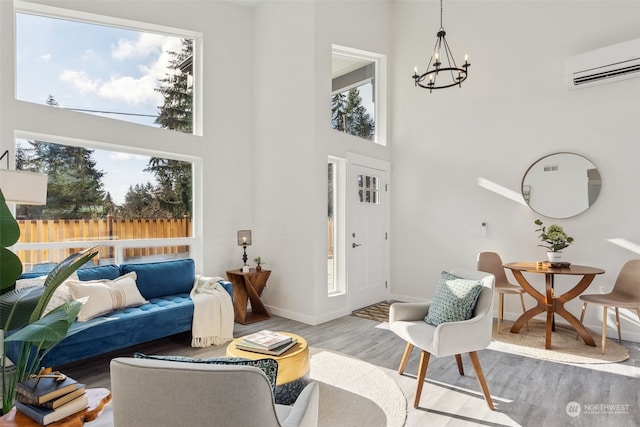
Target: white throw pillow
x,y
27,283
106,295
39,281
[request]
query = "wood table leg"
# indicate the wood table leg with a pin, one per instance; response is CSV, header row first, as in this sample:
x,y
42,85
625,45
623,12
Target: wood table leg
x,y
257,307
529,314
573,321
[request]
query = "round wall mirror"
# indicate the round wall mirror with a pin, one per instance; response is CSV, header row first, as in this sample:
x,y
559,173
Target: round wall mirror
x,y
561,185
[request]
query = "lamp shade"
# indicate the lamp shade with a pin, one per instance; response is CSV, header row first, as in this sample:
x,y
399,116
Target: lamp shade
x,y
244,237
25,188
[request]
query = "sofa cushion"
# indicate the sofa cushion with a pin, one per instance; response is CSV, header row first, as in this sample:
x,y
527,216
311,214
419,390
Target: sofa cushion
x,y
267,365
105,295
109,271
157,279
454,300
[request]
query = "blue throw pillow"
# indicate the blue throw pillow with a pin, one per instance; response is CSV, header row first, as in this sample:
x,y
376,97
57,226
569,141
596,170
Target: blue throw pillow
x,y
454,300
107,271
158,279
268,366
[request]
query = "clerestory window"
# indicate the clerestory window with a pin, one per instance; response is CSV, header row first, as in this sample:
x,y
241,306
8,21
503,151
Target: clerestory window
x,y
358,94
122,70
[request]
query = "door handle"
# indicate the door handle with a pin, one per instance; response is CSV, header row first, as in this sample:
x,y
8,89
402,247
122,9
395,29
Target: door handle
x,y
355,245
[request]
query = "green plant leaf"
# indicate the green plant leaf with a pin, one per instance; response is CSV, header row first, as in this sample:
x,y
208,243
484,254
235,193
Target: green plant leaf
x,y
17,305
8,224
59,274
51,329
10,268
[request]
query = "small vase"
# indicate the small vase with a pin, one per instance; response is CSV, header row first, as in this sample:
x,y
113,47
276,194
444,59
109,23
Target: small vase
x,y
554,256
258,267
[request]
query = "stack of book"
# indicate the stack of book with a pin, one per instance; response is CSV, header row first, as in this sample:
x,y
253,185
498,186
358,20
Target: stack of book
x,y
266,342
47,399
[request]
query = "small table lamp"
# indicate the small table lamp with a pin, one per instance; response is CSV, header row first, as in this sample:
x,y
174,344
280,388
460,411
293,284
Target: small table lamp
x,y
244,240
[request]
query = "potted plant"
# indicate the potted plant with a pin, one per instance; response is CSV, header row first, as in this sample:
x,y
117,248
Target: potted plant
x,y
259,263
554,238
21,309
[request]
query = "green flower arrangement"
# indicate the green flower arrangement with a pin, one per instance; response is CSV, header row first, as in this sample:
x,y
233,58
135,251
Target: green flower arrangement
x,y
554,237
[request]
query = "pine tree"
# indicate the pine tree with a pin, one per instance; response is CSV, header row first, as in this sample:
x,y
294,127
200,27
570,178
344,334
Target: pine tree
x,y
174,190
338,105
350,116
74,189
140,202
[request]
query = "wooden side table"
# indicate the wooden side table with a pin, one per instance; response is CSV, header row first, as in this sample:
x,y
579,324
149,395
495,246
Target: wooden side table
x,y
98,399
248,287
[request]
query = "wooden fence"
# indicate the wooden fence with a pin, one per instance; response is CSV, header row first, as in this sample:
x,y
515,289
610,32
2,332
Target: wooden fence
x,y
108,229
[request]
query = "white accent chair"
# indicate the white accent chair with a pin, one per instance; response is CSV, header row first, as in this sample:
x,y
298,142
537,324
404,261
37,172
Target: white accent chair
x,y
162,393
447,339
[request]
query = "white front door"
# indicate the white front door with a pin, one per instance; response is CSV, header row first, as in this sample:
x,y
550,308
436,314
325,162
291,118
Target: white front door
x,y
367,236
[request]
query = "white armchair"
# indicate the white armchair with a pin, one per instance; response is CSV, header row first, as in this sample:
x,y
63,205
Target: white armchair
x,y
452,338
162,393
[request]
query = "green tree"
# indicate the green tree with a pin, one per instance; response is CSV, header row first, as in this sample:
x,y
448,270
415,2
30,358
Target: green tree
x,y
174,191
140,203
177,111
338,106
351,116
74,189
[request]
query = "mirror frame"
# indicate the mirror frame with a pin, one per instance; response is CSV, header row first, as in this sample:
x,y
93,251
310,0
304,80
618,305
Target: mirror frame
x,y
526,189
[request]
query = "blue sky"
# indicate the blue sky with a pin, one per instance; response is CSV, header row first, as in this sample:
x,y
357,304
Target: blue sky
x,y
94,67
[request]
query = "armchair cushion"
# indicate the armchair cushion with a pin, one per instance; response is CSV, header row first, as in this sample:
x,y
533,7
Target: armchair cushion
x,y
267,365
454,299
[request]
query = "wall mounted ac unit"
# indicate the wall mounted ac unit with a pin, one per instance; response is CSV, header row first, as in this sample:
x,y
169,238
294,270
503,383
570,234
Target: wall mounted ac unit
x,y
609,64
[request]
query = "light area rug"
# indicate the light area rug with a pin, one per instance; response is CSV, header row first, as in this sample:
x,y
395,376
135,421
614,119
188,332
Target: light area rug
x,y
564,345
353,393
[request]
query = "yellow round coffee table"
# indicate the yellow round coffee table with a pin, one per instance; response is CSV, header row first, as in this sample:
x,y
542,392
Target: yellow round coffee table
x,y
293,367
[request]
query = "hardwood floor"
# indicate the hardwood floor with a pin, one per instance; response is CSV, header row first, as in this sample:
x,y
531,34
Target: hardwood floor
x,y
526,391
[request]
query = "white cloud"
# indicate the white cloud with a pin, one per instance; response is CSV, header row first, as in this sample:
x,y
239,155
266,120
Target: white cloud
x,y
80,80
141,90
131,89
145,45
46,57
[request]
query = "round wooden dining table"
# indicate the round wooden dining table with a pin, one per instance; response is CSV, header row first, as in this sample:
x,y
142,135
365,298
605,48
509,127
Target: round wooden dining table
x,y
549,302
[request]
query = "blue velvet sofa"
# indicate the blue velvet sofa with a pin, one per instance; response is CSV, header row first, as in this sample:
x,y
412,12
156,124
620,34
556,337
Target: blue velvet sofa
x,y
166,285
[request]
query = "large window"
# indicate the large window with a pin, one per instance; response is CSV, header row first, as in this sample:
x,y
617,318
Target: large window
x,y
133,206
115,70
358,94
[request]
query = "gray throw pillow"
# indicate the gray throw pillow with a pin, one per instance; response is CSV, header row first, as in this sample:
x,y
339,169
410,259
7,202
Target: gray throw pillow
x,y
454,300
268,366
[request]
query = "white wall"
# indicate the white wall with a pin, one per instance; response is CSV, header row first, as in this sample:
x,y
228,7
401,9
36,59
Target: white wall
x,y
293,140
513,109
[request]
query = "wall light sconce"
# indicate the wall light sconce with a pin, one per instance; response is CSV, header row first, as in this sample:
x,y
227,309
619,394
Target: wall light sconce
x,y
22,187
244,240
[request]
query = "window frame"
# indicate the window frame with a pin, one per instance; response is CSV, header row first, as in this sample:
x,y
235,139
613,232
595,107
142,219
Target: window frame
x,y
43,10
379,87
195,242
